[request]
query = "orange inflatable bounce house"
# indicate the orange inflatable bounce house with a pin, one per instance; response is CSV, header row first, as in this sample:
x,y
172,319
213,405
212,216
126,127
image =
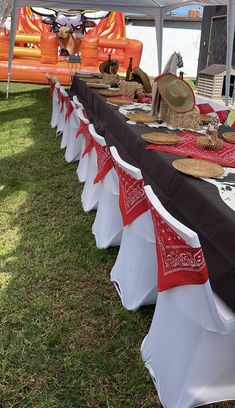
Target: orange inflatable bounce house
x,y
37,53
92,54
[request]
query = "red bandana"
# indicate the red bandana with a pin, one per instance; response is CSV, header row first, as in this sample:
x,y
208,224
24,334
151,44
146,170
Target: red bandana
x,y
52,87
132,198
69,108
89,140
104,161
62,100
178,263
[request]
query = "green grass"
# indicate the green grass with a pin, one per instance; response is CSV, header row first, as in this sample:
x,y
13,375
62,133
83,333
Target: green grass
x,y
192,82
65,340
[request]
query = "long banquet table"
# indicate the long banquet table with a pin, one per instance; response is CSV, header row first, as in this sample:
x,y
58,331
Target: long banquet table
x,y
192,201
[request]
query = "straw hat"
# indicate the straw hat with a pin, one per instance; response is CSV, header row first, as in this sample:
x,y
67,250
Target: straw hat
x,y
141,77
176,93
104,66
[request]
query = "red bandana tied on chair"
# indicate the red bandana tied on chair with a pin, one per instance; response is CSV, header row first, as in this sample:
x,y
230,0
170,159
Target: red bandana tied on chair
x,y
59,94
178,263
104,161
69,108
52,86
132,198
88,138
62,100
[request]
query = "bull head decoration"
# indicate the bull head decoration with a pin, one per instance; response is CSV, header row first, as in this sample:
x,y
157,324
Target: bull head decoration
x,y
77,21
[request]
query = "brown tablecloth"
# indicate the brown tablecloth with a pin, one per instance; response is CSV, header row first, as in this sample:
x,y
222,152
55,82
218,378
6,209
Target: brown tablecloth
x,y
192,201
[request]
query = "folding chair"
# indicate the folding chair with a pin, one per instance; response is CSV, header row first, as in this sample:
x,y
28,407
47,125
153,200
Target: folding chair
x,y
62,112
87,168
55,105
134,273
74,144
107,226
86,145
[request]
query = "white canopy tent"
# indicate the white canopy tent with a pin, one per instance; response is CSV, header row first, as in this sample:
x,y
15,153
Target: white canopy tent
x,y
156,8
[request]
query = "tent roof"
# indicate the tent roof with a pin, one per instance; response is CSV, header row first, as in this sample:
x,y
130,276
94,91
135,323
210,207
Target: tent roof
x,y
150,7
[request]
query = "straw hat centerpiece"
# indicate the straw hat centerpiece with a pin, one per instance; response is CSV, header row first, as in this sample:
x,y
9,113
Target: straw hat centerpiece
x,y
177,102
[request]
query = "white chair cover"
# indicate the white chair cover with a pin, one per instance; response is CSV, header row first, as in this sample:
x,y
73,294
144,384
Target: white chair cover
x,y
91,191
107,226
134,273
62,112
87,168
74,144
84,160
190,348
63,123
55,105
78,104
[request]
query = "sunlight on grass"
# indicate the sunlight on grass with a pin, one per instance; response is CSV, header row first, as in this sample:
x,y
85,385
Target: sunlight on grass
x,y
10,233
9,148
2,187
5,279
9,241
14,200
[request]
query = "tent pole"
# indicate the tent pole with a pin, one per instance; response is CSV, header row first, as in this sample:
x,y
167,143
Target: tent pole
x,y
14,20
230,39
159,20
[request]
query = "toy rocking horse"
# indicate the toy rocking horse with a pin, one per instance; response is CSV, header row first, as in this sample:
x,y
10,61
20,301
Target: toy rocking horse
x,y
175,61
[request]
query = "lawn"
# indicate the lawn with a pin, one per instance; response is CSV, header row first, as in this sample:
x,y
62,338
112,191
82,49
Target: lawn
x,y
65,340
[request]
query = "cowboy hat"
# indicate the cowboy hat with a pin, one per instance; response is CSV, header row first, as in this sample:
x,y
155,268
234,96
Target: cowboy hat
x,y
103,67
140,76
176,93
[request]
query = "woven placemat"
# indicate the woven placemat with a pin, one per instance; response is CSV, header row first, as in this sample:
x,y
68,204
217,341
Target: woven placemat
x,y
119,101
141,117
97,85
198,168
161,138
108,93
229,136
92,80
